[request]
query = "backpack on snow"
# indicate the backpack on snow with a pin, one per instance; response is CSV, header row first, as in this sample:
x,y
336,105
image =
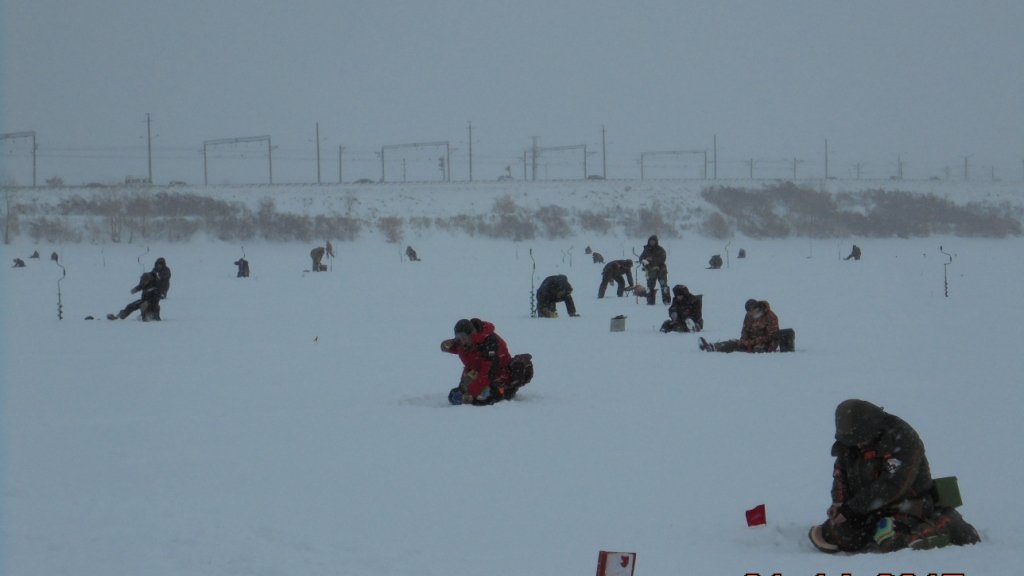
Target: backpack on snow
x,y
521,369
787,340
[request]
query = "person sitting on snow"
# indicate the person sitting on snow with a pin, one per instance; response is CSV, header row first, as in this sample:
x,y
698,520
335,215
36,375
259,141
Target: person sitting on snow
x,y
486,378
148,302
685,312
883,496
759,333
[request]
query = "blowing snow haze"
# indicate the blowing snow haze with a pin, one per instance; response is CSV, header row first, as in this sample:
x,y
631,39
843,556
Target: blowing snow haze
x,y
913,89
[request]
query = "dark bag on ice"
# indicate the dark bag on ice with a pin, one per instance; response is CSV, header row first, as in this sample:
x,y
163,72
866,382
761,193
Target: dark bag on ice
x,y
521,369
787,340
946,492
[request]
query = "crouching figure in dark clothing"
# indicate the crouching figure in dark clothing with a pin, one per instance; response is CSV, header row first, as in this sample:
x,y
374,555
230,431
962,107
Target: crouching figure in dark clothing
x,y
489,373
148,303
620,272
555,289
685,312
883,495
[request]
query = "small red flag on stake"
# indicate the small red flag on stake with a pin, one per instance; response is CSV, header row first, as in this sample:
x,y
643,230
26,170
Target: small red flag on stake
x,y
756,516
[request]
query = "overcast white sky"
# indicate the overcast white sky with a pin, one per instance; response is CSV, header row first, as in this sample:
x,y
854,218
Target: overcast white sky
x,y
928,82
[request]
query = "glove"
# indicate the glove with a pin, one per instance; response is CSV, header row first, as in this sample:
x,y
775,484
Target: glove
x,y
136,289
884,530
447,344
645,262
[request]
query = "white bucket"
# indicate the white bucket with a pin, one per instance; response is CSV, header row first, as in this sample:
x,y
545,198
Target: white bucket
x,y
619,323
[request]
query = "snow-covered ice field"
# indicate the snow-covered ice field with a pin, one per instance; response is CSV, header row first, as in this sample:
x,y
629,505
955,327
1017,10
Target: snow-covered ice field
x,y
296,423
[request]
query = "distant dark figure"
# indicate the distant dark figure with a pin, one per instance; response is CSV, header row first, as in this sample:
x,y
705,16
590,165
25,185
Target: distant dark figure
x,y
54,257
742,254
555,289
686,312
587,250
148,303
411,254
317,254
163,277
243,268
18,263
715,262
618,271
854,253
598,259
35,254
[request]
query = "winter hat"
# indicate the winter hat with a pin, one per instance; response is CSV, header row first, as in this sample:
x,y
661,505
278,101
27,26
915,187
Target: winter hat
x,y
858,421
463,327
160,262
653,237
750,304
680,290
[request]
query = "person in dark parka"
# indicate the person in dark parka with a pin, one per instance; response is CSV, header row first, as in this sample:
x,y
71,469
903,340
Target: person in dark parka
x,y
163,276
148,302
882,488
618,271
653,258
555,289
685,312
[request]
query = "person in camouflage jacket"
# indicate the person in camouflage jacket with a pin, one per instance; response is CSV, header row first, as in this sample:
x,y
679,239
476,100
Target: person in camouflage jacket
x,y
759,333
882,497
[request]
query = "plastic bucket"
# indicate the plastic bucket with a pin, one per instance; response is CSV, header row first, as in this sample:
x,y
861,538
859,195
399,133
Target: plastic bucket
x,y
618,324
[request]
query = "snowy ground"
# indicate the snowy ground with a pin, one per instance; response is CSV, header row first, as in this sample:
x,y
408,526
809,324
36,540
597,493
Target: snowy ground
x,y
296,423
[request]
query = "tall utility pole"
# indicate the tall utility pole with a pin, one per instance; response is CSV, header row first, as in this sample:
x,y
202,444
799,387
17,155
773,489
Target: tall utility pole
x,y
533,175
149,147
826,160
209,143
604,156
340,150
318,153
716,156
965,167
32,135
471,151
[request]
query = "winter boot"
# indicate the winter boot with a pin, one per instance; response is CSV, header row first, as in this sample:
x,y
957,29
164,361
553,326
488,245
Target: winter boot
x,y
666,299
706,346
817,537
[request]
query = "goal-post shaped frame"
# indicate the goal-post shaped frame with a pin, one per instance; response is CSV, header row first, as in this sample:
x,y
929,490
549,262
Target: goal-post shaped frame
x,y
679,153
393,148
211,143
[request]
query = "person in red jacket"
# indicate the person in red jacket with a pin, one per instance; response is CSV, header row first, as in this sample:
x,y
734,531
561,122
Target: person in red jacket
x,y
485,363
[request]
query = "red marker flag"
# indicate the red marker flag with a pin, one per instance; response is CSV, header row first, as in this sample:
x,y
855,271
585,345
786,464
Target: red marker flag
x,y
756,516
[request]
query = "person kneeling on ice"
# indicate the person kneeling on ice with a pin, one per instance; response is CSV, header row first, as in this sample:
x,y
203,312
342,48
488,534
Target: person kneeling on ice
x,y
759,333
489,373
883,495
148,303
